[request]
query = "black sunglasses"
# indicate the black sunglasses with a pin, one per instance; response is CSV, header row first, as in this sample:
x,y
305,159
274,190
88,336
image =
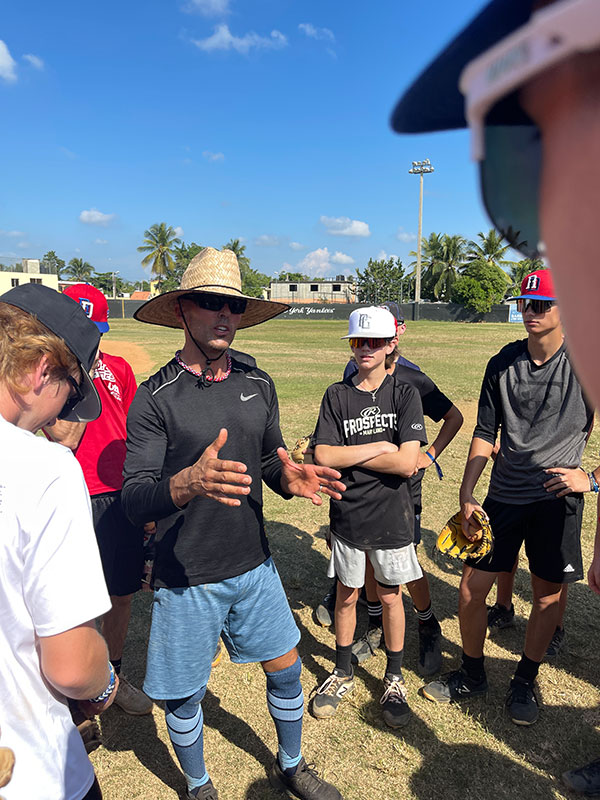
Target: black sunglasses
x,y
75,397
215,302
537,306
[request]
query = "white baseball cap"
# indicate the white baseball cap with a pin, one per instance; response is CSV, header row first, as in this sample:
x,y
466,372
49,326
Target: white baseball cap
x,y
371,322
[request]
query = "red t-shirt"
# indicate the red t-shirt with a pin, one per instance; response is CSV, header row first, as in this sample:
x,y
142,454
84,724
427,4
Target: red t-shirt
x,y
101,452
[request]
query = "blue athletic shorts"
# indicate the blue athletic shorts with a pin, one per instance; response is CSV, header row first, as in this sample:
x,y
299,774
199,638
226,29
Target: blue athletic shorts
x,y
250,612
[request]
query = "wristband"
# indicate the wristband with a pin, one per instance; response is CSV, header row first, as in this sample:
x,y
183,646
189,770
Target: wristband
x,y
594,486
438,469
109,689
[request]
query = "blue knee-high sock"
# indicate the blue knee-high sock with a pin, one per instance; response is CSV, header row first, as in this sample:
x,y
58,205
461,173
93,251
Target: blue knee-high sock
x,y
285,701
185,723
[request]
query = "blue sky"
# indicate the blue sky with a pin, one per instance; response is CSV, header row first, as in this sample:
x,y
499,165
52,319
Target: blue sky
x,y
266,120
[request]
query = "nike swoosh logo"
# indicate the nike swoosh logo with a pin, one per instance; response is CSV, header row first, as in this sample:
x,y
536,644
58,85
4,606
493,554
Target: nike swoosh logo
x,y
244,397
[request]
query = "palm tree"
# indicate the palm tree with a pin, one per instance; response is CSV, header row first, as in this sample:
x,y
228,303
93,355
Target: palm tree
x,y
160,241
79,270
239,249
518,270
490,249
442,256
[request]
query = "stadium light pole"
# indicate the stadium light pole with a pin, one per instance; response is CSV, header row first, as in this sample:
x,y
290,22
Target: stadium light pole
x,y
419,168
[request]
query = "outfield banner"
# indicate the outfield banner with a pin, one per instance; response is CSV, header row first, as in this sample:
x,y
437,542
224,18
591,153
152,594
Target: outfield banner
x,y
122,308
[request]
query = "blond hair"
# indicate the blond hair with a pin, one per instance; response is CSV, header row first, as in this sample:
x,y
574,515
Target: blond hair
x,y
24,340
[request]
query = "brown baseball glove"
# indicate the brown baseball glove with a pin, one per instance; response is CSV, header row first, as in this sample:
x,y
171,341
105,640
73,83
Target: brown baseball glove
x,y
297,452
453,543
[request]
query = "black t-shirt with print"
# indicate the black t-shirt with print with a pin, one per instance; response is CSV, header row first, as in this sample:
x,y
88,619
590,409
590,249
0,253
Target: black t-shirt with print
x,y
376,510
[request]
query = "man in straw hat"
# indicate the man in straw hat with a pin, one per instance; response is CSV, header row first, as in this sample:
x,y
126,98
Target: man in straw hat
x,y
52,586
202,433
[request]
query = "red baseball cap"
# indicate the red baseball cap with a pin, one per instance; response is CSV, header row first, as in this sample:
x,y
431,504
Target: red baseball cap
x,y
537,285
92,301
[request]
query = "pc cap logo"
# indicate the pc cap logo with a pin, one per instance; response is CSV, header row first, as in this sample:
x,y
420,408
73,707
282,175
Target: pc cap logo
x,y
537,285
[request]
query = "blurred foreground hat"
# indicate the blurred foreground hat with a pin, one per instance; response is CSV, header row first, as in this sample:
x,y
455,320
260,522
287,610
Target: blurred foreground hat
x,y
215,272
92,301
67,320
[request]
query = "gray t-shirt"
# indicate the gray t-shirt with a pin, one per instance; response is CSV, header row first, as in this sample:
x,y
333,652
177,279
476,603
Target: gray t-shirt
x,y
543,418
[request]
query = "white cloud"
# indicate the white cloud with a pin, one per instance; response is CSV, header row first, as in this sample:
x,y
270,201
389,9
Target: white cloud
x,y
8,66
383,256
344,226
100,241
319,263
68,153
223,39
267,240
316,33
23,245
297,246
35,61
178,231
209,8
341,258
12,234
209,156
405,236
95,217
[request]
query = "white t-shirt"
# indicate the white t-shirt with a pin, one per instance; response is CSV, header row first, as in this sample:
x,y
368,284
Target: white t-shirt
x,y
51,580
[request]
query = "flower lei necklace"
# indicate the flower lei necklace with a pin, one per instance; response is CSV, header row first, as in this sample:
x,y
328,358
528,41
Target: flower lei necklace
x,y
207,375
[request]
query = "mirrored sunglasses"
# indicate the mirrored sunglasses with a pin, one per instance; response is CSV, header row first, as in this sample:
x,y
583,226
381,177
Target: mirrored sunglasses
x,y
216,302
374,344
75,397
537,306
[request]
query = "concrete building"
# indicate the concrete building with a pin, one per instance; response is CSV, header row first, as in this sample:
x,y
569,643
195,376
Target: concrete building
x,y
28,271
322,290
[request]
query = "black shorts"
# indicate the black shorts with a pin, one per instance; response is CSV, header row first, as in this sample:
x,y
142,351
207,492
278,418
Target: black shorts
x,y
551,530
121,544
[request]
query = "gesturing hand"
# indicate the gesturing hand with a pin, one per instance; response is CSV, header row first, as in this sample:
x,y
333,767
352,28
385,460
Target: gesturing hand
x,y
212,477
309,480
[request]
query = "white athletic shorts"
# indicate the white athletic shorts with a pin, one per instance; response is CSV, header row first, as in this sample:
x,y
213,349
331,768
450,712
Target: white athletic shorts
x,y
391,567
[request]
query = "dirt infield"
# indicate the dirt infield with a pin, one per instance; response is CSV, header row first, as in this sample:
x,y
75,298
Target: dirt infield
x,y
135,354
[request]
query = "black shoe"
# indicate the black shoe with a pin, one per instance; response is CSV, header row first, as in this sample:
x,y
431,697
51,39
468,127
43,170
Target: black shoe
x,y
521,702
500,617
365,647
396,712
430,650
556,643
304,783
324,612
455,685
205,792
585,780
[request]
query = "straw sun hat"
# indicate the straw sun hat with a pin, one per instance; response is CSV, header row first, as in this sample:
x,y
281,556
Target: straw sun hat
x,y
214,271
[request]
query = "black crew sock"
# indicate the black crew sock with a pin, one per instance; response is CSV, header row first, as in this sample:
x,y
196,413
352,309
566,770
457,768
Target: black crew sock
x,y
374,610
527,669
343,658
116,665
426,615
473,667
394,662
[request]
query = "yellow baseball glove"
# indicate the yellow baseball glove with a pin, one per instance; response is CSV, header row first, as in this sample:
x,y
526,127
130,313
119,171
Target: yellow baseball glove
x,y
453,543
297,452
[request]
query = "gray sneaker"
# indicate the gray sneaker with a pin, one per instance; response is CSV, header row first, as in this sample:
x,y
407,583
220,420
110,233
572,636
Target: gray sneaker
x,y
365,647
304,784
205,792
325,611
329,694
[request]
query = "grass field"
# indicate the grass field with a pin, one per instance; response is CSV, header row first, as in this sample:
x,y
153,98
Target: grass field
x,y
447,752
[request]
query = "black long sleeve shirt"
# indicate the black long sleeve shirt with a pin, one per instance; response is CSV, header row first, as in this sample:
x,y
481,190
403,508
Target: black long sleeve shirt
x,y
172,420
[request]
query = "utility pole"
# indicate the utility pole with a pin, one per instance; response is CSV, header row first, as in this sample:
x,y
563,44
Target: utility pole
x,y
419,168
115,272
